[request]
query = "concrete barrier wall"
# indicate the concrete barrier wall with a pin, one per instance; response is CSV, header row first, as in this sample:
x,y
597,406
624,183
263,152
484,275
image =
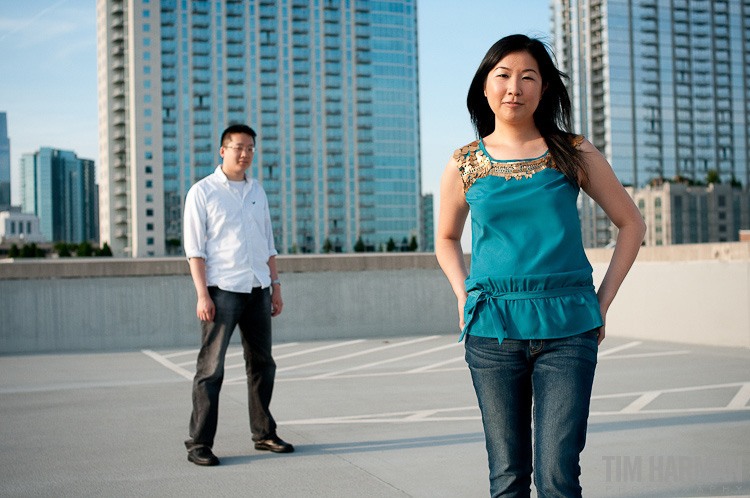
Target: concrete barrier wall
x,y
109,305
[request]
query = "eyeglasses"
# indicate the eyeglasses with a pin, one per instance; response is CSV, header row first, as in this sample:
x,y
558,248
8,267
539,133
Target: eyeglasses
x,y
239,149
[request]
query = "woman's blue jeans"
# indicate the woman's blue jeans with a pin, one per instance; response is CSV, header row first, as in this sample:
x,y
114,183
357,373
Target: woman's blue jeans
x,y
557,375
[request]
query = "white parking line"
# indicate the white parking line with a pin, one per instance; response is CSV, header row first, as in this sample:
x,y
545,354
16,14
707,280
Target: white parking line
x,y
641,402
619,348
359,353
181,353
436,365
160,359
275,347
384,362
643,355
304,351
741,398
342,357
391,417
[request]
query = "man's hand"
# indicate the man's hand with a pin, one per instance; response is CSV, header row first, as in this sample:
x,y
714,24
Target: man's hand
x,y
205,309
276,302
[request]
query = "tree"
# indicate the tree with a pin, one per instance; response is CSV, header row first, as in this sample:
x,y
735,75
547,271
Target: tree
x,y
13,252
104,251
327,246
391,245
62,250
380,247
28,251
412,247
712,176
84,249
360,245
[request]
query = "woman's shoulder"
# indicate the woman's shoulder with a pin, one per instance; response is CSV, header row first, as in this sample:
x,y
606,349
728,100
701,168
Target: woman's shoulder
x,y
471,162
466,150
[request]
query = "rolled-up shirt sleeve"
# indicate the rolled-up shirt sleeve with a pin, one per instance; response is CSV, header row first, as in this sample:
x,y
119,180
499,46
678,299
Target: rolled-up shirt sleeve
x,y
194,224
269,230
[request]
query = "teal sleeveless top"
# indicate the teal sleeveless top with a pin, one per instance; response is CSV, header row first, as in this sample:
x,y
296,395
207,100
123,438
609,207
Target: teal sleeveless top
x,y
529,277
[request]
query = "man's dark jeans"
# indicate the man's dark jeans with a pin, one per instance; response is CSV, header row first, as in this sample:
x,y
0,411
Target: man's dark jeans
x,y
252,312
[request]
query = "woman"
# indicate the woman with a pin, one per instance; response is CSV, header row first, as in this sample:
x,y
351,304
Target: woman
x,y
529,312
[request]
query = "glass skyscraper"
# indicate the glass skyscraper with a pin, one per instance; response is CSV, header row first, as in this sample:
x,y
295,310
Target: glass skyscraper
x,y
661,87
4,161
59,188
330,86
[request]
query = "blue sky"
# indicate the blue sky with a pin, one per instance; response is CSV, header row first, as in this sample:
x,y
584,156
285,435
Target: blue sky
x,y
48,71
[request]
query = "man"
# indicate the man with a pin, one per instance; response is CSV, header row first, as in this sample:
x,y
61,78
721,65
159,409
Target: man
x,y
229,245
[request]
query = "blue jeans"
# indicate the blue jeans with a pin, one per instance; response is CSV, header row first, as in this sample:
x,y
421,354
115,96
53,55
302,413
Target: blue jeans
x,y
557,374
252,312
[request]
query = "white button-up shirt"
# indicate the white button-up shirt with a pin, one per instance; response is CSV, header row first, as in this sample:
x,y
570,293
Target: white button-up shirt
x,y
231,231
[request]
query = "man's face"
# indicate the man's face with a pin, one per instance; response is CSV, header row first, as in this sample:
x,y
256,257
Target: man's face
x,y
237,153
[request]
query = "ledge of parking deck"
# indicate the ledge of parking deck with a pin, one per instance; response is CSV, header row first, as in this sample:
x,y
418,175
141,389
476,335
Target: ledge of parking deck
x,y
310,263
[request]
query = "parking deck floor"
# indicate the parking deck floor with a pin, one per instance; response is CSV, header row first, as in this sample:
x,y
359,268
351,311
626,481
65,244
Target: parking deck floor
x,y
369,418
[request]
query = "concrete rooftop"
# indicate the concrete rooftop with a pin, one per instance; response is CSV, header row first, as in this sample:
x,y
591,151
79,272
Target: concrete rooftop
x,y
369,418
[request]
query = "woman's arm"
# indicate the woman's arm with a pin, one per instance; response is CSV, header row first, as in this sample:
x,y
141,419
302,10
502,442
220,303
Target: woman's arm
x,y
453,212
604,187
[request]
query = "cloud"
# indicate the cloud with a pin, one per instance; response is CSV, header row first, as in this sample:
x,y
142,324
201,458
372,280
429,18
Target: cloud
x,y
42,27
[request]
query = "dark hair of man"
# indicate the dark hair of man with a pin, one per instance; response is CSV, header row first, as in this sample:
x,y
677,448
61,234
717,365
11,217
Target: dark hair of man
x,y
236,128
553,115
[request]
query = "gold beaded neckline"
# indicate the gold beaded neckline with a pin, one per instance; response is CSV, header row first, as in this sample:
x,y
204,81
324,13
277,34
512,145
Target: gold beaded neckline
x,y
474,163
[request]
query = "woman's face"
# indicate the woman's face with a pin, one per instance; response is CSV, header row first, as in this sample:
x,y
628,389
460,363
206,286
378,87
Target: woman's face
x,y
514,88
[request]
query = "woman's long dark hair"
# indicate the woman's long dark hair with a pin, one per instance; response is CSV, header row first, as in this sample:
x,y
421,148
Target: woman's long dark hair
x,y
553,115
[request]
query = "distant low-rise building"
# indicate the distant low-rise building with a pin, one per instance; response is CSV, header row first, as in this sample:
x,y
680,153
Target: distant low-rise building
x,y
680,213
19,228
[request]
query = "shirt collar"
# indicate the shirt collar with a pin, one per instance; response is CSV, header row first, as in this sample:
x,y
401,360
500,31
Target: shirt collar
x,y
223,178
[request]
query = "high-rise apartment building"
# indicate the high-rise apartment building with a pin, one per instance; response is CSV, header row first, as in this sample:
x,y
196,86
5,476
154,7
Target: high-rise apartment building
x,y
330,86
662,88
4,161
59,188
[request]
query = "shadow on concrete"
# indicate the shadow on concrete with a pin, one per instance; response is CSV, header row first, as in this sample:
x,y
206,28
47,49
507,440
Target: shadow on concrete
x,y
652,423
362,447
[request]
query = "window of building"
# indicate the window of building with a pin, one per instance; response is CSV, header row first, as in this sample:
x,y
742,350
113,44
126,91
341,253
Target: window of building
x,y
149,169
146,13
28,227
149,155
148,141
147,113
147,98
147,27
149,183
12,227
149,212
20,227
722,215
657,202
722,201
147,126
150,241
149,198
150,227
